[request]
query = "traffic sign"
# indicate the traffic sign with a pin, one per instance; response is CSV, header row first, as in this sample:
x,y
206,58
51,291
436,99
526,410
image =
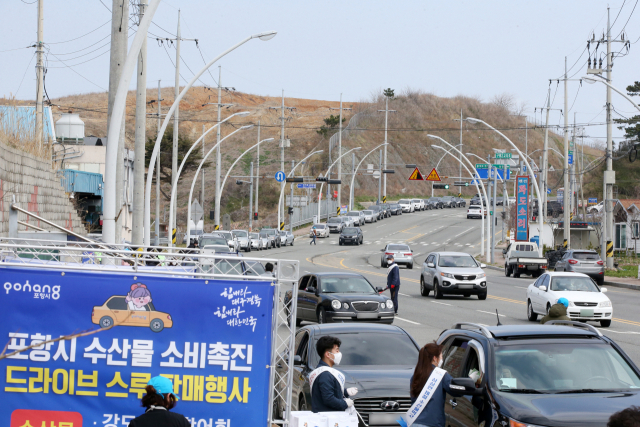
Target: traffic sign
x,y
307,185
570,157
461,184
433,176
280,176
548,191
376,174
503,155
417,176
524,169
592,200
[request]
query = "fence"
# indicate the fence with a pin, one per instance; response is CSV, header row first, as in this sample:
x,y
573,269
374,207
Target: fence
x,y
304,215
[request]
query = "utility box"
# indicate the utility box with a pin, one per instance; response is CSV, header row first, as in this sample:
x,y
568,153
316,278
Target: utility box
x,y
609,177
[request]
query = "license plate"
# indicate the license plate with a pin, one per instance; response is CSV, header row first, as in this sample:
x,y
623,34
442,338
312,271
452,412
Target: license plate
x,y
586,312
369,315
465,286
386,419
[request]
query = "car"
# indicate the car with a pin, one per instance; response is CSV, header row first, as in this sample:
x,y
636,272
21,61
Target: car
x,y
382,376
461,202
335,224
340,297
232,265
115,312
591,209
321,230
274,236
195,234
214,242
370,216
449,202
357,216
257,242
378,211
242,236
475,211
582,261
232,241
406,205
587,300
427,206
436,203
395,209
270,237
499,201
286,238
418,205
565,374
385,209
351,235
453,273
477,201
402,254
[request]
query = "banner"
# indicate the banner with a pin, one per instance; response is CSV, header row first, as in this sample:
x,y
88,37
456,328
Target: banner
x,y
212,338
522,209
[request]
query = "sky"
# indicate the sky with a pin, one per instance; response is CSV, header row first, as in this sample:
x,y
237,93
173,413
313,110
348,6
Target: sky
x,y
357,48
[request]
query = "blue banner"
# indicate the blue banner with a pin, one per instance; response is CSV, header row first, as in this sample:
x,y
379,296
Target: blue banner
x,y
211,338
522,209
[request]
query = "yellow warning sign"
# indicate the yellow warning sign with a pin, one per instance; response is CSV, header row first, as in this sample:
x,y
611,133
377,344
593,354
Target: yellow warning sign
x,y
416,175
433,176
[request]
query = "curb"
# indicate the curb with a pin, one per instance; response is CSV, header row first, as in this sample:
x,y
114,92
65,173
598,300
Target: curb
x,y
622,285
493,267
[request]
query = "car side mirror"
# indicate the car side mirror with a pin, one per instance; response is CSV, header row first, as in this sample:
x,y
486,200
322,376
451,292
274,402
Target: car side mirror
x,y
431,265
311,289
381,250
504,251
543,288
483,265
465,386
379,289
297,360
603,289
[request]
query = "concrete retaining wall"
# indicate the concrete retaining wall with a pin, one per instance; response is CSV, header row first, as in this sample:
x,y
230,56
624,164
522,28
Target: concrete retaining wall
x,y
37,189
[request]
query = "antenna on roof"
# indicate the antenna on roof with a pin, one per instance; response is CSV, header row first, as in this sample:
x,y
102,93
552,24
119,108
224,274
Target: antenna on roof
x,y
498,316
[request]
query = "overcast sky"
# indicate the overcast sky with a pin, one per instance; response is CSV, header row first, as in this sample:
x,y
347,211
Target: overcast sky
x,y
324,48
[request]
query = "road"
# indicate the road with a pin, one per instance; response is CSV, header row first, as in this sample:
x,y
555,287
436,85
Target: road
x,y
424,317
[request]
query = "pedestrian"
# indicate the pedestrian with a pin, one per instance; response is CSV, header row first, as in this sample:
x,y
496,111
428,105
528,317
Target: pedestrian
x,y
313,236
328,392
393,281
558,311
268,267
158,401
629,417
428,388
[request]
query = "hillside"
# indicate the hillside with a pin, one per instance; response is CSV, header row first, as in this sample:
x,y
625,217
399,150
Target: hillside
x,y
417,115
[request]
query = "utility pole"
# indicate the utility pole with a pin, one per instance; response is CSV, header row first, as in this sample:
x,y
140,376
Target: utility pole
x,y
386,125
257,168
567,208
250,200
40,76
202,188
293,165
176,114
159,101
460,154
283,144
545,154
137,237
380,179
340,150
118,55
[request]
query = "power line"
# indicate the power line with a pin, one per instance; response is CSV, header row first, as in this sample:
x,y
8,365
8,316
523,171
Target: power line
x,y
25,72
105,6
85,48
69,67
18,48
92,31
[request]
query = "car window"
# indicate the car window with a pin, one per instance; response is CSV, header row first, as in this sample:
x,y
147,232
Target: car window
x,y
353,214
302,338
303,283
349,284
239,233
546,281
398,248
539,281
254,235
368,212
350,231
460,261
117,303
365,349
264,234
573,284
332,220
586,256
431,258
212,241
403,202
255,268
452,360
312,282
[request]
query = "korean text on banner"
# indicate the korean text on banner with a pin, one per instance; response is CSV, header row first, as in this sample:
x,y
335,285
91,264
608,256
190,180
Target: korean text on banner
x,y
213,340
522,209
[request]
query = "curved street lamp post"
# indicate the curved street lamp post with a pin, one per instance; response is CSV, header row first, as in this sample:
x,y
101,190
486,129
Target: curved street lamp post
x,y
351,190
327,176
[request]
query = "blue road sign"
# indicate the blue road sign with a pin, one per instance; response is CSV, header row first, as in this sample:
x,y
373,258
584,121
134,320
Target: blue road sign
x,y
483,172
524,168
548,191
280,176
570,157
593,200
306,185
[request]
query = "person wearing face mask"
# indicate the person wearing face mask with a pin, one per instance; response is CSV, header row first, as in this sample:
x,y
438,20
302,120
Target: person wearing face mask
x,y
428,387
393,281
327,384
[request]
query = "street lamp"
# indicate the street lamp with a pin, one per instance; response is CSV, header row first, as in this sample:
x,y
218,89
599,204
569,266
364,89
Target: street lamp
x,y
438,164
533,178
488,251
156,149
174,188
327,176
195,177
351,191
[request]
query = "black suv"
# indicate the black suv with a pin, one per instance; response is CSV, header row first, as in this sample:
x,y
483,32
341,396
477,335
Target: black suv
x,y
558,374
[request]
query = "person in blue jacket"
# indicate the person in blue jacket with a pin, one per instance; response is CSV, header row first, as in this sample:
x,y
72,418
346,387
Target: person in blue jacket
x,y
393,281
432,415
327,390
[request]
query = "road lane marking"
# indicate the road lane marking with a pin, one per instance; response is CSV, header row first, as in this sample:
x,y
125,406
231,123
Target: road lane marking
x,y
404,295
408,321
506,299
465,231
488,312
441,303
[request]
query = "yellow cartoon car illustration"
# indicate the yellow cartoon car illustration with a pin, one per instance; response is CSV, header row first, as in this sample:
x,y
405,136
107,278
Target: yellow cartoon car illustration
x,y
133,309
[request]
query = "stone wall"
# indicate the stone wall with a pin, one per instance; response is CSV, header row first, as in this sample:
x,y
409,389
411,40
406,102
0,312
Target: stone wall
x,y
37,189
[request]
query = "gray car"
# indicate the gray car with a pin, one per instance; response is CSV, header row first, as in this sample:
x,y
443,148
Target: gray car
x,y
583,261
256,241
286,238
370,216
273,236
402,254
453,273
242,236
335,224
357,216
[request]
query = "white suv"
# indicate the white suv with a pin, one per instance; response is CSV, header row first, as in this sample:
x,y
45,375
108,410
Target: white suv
x,y
418,205
455,273
406,205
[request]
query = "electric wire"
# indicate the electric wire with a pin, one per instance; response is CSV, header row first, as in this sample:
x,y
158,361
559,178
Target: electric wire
x,y
70,67
18,48
85,48
25,72
105,6
630,15
79,37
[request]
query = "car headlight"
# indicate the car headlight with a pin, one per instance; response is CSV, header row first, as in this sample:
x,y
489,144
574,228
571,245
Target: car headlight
x,y
605,304
449,275
389,304
481,276
345,306
571,304
336,304
382,305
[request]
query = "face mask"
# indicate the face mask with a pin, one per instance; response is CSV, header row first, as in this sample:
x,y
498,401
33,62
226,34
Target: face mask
x,y
440,363
337,357
390,262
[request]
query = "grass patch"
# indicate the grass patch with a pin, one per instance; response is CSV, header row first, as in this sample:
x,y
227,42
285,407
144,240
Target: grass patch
x,y
625,271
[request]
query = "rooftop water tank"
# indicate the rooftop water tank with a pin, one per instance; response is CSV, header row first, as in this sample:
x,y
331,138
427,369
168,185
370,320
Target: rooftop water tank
x,y
69,126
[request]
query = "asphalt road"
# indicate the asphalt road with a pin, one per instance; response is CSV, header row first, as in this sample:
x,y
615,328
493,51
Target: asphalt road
x,y
424,317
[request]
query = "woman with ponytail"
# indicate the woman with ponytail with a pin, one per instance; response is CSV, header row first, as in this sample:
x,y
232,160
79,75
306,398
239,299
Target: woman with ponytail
x,y
158,401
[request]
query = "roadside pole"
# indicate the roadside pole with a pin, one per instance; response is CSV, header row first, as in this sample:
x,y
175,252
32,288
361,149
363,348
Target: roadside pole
x,y
293,165
157,227
250,201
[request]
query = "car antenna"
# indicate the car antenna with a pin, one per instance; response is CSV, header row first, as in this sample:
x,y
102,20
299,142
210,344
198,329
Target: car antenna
x,y
498,316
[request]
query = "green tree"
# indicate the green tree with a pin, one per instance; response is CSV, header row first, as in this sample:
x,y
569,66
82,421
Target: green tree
x,y
389,93
166,151
329,123
630,126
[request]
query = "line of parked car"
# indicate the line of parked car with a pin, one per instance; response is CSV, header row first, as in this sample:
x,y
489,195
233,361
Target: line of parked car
x,y
243,240
414,205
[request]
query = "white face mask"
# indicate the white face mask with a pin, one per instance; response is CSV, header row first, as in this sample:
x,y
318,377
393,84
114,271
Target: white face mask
x,y
390,262
440,363
337,357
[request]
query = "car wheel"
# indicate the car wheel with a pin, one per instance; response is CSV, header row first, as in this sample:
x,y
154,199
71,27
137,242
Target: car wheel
x,y
548,308
423,289
322,316
482,297
605,323
156,325
600,282
382,264
531,315
507,270
340,242
516,273
410,266
302,403
437,293
106,322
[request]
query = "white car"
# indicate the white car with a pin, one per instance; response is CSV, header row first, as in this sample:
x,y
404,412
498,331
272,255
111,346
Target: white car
x,y
232,241
475,211
456,273
242,236
418,204
321,230
256,242
587,301
406,205
595,208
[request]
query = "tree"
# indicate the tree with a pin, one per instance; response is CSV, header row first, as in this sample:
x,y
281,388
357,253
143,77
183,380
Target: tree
x,y
389,93
329,123
166,152
631,126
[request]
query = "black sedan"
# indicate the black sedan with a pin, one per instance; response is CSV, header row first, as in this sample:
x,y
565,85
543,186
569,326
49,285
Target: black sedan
x,y
351,235
340,297
381,376
436,203
395,209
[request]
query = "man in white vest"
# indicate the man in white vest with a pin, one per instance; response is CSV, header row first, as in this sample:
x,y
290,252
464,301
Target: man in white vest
x,y
327,384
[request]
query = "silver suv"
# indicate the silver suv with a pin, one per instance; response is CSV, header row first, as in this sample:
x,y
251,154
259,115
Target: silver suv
x,y
357,216
455,273
335,225
583,261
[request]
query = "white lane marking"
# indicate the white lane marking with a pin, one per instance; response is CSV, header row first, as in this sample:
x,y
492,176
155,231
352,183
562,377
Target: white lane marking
x,y
442,303
464,232
380,226
408,321
405,295
488,312
619,332
521,287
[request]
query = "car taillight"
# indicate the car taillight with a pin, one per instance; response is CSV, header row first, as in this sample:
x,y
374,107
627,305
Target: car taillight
x,y
543,267
572,261
388,253
600,263
169,316
408,254
521,266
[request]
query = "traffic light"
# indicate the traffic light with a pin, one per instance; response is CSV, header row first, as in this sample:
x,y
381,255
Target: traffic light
x,y
290,210
441,186
255,216
322,179
295,179
334,181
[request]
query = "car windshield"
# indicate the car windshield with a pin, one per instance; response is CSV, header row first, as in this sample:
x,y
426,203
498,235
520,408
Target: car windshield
x,y
368,212
255,268
350,231
573,284
264,234
333,220
447,198
404,202
354,213
206,241
254,235
459,261
369,348
398,248
434,199
226,235
319,226
558,366
347,285
586,256
475,207
283,233
416,200
239,233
